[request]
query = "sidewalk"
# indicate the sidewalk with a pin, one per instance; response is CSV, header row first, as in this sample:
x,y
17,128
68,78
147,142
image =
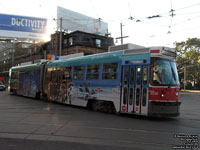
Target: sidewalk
x,y
190,91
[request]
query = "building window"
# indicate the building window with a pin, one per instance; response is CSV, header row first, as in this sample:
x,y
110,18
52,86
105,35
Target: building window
x,y
53,43
98,43
86,40
70,41
65,42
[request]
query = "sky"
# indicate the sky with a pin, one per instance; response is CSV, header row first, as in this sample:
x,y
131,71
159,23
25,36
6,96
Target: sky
x,y
164,30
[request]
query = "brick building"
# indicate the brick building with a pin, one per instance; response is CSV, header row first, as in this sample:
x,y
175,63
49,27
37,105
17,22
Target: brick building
x,y
34,52
75,42
78,41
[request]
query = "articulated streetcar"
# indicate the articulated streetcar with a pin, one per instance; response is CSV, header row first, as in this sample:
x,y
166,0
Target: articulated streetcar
x,y
137,81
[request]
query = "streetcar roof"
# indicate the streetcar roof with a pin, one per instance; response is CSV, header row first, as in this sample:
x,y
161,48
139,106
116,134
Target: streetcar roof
x,y
99,58
25,67
123,55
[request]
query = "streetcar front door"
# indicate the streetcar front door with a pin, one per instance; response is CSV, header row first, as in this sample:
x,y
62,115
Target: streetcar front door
x,y
134,89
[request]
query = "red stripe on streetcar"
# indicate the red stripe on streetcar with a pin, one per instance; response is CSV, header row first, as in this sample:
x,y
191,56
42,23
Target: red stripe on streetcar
x,y
155,51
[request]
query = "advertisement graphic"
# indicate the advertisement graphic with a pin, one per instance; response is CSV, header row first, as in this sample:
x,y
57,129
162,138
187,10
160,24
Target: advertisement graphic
x,y
22,26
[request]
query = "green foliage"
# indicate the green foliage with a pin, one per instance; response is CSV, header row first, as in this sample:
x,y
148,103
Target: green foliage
x,y
189,57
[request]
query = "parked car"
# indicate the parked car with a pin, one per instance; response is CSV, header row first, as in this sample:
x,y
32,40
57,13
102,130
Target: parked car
x,y
2,86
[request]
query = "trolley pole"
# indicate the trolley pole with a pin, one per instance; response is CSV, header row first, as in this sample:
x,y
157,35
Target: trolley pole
x,y
60,45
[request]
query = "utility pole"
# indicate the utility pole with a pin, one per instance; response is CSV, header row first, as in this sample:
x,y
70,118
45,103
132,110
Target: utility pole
x,y
60,45
121,25
121,33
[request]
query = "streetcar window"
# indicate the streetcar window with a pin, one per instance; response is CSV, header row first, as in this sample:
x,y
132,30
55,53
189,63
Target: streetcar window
x,y
137,97
163,72
145,73
53,76
13,75
26,75
125,85
138,75
125,96
78,72
93,72
67,73
144,100
111,67
131,94
109,76
132,76
60,75
31,74
126,75
48,75
110,71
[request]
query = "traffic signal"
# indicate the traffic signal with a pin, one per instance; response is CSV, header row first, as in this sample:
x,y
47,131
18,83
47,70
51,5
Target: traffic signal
x,y
49,57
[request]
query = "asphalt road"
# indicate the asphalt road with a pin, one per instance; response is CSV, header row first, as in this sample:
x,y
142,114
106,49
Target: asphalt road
x,y
37,125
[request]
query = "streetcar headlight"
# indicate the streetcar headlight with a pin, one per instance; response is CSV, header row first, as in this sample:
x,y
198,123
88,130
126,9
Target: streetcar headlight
x,y
162,95
176,93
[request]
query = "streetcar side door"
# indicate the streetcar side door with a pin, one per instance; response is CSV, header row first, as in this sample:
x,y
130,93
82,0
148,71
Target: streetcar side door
x,y
128,88
134,89
141,90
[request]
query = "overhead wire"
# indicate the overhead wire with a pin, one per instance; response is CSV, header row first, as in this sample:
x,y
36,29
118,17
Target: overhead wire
x,y
172,15
188,6
131,17
94,9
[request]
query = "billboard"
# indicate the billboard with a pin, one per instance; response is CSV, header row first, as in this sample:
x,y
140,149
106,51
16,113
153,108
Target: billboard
x,y
22,26
73,21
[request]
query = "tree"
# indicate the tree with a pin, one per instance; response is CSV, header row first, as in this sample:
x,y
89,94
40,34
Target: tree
x,y
188,54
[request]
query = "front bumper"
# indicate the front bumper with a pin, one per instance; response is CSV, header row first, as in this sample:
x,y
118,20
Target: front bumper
x,y
164,109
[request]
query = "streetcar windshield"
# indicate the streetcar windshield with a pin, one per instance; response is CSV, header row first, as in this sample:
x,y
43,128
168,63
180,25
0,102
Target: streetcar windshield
x,y
163,72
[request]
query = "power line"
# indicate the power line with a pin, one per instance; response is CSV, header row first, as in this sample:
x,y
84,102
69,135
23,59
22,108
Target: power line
x,y
188,6
171,12
185,21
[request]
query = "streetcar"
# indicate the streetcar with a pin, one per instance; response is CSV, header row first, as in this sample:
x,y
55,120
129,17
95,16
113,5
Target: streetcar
x,y
26,80
134,81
